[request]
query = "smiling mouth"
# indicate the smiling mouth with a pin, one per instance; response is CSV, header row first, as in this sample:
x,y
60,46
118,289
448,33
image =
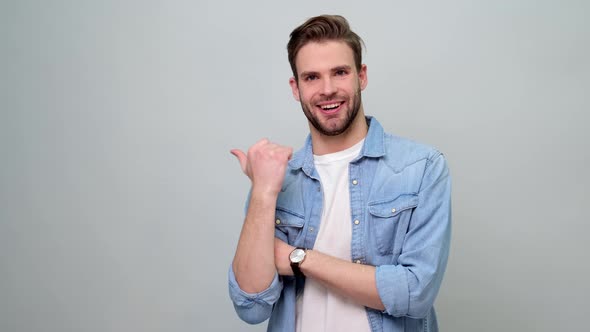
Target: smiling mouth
x,y
330,108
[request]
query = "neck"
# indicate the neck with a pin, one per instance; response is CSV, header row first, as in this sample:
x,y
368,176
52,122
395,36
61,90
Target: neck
x,y
323,144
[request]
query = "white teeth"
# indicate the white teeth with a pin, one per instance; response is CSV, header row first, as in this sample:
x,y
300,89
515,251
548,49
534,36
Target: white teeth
x,y
330,106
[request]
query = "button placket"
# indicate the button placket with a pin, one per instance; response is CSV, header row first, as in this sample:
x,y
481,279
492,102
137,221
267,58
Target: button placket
x,y
356,203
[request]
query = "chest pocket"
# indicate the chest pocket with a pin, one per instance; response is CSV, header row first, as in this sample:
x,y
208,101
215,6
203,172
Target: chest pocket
x,y
389,220
289,223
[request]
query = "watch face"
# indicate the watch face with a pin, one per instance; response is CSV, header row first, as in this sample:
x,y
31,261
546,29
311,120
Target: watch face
x,y
297,255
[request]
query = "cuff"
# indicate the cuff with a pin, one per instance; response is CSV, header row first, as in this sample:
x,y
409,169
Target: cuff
x,y
393,289
243,299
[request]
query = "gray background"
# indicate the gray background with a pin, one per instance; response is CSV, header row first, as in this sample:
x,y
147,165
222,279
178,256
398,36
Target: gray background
x,y
120,205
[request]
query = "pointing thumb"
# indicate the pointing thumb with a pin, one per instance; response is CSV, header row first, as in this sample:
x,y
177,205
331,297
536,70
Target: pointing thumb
x,y
241,158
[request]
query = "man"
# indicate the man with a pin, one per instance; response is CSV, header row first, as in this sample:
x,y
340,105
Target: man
x,y
352,232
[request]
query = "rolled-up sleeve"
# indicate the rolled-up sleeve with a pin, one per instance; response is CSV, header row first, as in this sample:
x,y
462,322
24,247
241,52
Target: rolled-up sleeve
x,y
410,287
254,308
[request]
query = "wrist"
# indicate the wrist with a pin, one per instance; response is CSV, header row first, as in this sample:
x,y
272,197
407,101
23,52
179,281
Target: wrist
x,y
265,193
263,199
304,266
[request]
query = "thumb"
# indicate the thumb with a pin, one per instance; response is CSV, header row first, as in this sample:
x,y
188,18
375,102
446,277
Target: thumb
x,y
241,158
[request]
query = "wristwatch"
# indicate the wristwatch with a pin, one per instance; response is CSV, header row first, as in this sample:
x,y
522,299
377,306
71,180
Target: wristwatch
x,y
297,257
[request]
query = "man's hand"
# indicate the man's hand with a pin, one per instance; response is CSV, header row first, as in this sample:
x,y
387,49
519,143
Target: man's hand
x,y
265,165
282,251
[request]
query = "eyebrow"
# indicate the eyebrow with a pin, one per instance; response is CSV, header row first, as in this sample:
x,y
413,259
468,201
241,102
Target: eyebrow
x,y
337,68
345,67
307,73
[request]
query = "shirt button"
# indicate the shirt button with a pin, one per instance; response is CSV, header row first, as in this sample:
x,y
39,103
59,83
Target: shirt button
x,y
278,221
358,261
356,222
393,210
355,182
311,229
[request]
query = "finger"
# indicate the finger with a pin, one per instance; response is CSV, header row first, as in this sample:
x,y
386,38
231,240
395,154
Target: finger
x,y
263,141
241,158
284,151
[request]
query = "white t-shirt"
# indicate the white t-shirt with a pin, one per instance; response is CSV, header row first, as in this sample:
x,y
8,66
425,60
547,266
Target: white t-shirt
x,y
319,309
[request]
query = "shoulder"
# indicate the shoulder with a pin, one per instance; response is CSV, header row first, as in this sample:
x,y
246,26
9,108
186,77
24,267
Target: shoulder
x,y
395,151
410,166
402,152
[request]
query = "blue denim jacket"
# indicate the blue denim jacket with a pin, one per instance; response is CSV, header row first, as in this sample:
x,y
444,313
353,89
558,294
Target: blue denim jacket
x,y
400,191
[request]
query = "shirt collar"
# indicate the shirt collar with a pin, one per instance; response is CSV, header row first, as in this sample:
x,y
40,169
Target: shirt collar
x,y
373,147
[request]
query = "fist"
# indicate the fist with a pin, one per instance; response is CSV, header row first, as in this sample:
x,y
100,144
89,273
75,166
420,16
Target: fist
x,y
265,164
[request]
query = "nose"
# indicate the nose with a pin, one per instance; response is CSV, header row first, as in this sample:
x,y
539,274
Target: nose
x,y
328,87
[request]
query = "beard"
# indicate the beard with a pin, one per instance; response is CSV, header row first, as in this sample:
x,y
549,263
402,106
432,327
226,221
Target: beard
x,y
351,113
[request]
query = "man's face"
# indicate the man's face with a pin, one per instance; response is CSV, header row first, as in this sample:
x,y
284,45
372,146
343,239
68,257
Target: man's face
x,y
329,86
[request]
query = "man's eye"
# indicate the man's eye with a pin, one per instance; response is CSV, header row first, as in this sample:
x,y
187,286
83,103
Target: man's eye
x,y
340,72
311,78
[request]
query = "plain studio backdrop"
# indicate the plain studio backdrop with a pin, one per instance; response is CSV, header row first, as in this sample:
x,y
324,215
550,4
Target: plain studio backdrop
x,y
121,206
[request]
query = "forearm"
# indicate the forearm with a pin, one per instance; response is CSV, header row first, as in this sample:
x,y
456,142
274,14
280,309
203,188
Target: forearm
x,y
253,263
355,281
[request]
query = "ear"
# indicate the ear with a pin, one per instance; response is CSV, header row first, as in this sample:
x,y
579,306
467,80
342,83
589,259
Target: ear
x,y
294,88
363,79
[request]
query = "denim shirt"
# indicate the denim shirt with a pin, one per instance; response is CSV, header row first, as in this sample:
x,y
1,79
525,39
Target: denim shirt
x,y
400,192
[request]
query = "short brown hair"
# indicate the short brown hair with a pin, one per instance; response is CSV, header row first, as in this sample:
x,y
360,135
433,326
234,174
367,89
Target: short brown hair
x,y
323,28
